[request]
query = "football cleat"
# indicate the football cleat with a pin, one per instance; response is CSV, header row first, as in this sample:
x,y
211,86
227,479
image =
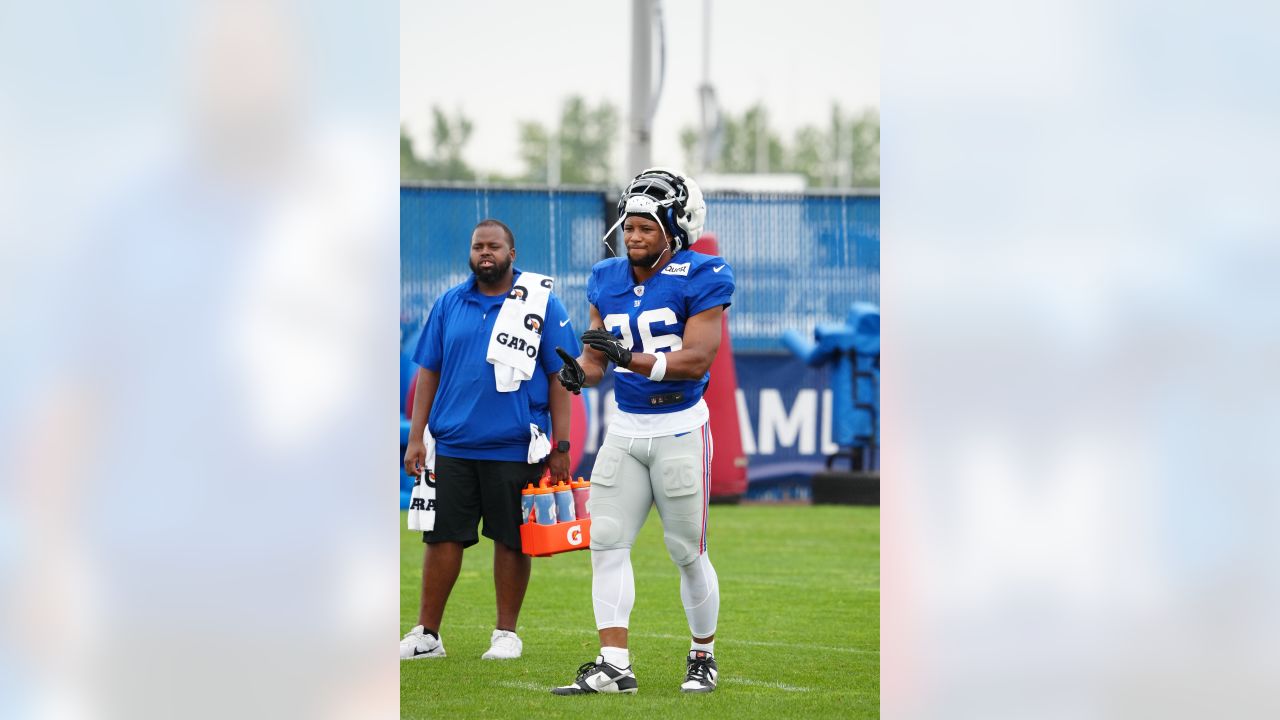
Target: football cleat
x,y
417,645
701,676
599,677
503,645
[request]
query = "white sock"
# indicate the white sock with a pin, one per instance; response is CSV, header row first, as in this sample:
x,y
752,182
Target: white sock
x,y
700,594
613,587
617,657
706,647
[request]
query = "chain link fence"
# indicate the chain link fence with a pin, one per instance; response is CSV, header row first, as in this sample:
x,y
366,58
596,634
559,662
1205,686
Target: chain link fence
x,y
799,259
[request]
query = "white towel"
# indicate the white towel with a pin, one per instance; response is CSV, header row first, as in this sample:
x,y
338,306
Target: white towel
x,y
422,501
539,444
517,334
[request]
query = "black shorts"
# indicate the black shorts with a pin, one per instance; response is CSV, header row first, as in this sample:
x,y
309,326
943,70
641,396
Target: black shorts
x,y
468,490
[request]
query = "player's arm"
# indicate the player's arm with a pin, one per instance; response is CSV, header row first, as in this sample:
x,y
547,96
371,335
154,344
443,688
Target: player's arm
x,y
587,369
698,350
592,361
424,395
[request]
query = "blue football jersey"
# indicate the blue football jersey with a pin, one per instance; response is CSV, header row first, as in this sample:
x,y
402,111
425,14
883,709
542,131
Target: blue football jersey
x,y
650,318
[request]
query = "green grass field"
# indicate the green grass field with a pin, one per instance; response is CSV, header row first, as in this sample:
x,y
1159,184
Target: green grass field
x,y
798,637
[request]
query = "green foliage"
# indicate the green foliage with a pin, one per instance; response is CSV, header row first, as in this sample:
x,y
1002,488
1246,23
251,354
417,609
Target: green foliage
x,y
586,135
844,153
449,136
800,595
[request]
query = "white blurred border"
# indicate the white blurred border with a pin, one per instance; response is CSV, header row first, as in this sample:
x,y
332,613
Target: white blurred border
x,y
1079,302
199,289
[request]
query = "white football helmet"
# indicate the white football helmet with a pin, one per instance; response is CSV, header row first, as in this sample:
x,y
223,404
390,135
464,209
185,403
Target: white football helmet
x,y
671,198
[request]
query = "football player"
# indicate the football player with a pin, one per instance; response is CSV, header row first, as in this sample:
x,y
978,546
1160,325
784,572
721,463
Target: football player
x,y
656,317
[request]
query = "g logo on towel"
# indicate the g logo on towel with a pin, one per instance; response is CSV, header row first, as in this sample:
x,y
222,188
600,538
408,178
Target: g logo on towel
x,y
533,322
519,292
547,283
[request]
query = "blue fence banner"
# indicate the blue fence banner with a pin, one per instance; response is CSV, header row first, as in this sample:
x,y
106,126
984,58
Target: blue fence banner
x,y
799,259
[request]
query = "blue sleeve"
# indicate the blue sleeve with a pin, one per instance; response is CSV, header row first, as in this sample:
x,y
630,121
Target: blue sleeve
x,y
558,332
430,351
710,285
593,287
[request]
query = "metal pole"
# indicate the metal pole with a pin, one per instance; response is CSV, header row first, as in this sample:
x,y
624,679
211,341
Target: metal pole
x,y
762,141
704,91
639,145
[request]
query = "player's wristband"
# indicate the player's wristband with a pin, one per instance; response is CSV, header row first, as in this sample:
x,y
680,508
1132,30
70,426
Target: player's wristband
x,y
659,370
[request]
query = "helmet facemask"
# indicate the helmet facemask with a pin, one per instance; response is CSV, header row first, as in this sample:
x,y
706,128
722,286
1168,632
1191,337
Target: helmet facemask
x,y
671,199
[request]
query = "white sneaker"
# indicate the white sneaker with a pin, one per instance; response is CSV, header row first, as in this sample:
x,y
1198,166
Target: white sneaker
x,y
417,645
503,645
600,677
702,672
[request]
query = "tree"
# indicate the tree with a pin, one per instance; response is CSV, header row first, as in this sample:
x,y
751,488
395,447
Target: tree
x,y
449,137
584,141
747,145
411,168
846,153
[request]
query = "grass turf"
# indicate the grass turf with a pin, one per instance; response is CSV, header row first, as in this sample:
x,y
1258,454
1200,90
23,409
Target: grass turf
x,y
798,635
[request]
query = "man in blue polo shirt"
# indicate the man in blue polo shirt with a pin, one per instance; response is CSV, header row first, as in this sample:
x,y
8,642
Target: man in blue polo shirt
x,y
484,449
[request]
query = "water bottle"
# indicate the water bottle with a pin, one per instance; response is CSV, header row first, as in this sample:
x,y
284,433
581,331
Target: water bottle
x,y
544,504
581,493
564,503
526,503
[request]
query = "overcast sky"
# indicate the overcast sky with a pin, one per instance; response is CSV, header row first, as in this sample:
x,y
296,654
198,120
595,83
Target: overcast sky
x,y
501,61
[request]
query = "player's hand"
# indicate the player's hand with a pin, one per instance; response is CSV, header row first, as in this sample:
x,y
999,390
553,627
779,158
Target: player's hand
x,y
607,343
415,457
558,464
571,374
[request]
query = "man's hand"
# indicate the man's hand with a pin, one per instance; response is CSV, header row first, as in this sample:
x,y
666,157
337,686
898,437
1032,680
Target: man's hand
x,y
607,343
558,463
415,457
571,375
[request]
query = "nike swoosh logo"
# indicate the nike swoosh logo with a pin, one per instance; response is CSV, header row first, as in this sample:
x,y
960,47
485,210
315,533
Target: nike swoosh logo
x,y
417,652
564,322
717,269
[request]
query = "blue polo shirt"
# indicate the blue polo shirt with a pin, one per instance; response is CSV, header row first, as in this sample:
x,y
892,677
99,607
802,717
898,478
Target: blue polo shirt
x,y
469,418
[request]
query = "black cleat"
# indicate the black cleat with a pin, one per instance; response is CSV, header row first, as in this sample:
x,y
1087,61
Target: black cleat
x,y
701,677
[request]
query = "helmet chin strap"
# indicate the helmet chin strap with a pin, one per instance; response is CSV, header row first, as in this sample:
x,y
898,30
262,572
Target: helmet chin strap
x,y
659,258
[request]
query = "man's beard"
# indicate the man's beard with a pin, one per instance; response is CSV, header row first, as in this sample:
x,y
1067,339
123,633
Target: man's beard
x,y
647,261
493,274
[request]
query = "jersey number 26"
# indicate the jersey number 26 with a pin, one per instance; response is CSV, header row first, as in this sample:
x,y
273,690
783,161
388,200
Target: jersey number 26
x,y
649,342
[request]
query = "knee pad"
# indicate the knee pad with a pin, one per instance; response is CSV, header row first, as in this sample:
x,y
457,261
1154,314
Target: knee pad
x,y
682,551
606,532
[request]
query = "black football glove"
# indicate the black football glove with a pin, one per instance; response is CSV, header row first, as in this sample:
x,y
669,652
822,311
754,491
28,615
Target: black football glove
x,y
571,374
607,343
